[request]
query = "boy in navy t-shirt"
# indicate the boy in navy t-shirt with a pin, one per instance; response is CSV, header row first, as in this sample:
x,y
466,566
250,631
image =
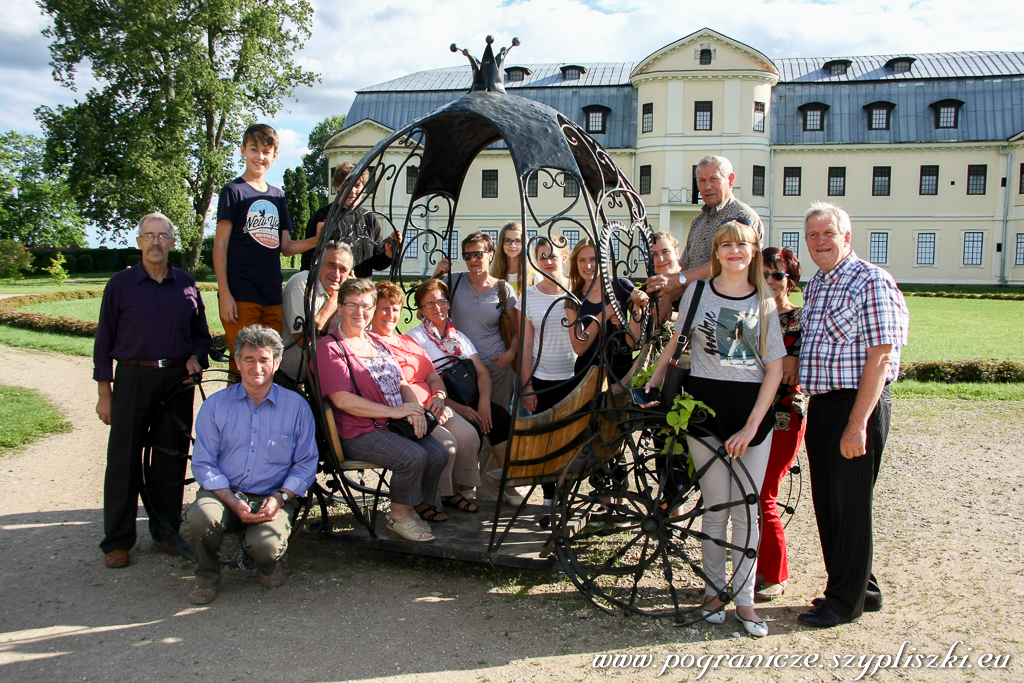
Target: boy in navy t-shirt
x,y
252,232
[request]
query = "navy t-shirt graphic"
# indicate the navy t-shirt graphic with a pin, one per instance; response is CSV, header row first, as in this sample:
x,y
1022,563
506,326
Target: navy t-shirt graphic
x,y
254,250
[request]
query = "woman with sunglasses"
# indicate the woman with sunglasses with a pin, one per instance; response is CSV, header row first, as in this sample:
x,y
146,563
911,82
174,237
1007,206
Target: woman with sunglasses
x,y
445,345
456,434
782,271
475,307
360,377
740,391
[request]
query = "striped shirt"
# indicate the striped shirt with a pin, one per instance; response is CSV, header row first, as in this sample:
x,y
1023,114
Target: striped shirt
x,y
853,307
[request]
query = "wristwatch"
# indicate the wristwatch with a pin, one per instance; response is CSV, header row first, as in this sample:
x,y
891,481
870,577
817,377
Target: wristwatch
x,y
284,495
682,279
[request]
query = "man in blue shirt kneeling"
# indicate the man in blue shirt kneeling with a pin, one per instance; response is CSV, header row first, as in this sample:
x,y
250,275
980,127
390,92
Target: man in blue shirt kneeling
x,y
255,453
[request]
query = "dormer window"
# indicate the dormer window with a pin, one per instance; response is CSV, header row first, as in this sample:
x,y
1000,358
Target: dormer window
x,y
572,72
596,118
814,115
837,67
900,65
947,113
879,115
515,74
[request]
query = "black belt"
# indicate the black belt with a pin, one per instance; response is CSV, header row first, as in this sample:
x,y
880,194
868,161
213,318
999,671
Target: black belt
x,y
162,363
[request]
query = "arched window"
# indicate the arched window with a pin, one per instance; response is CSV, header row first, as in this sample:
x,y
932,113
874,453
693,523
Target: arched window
x,y
947,113
879,115
514,74
837,67
595,117
814,115
900,65
572,72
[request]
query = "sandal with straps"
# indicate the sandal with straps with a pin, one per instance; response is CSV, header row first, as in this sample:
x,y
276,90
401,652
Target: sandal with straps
x,y
460,503
411,530
431,514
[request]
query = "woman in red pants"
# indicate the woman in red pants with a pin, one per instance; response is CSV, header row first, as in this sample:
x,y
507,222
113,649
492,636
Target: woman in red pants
x,y
782,271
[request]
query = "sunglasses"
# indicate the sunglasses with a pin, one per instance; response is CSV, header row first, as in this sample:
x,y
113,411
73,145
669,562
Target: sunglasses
x,y
473,255
775,275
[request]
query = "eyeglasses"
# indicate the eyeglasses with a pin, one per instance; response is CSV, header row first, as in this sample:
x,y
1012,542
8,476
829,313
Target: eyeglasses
x,y
352,307
440,303
775,275
473,255
162,236
509,242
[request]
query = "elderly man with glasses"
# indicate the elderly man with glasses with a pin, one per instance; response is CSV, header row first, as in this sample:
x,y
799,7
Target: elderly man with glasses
x,y
153,323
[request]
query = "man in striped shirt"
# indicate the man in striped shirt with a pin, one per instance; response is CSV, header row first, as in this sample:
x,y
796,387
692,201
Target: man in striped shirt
x,y
854,322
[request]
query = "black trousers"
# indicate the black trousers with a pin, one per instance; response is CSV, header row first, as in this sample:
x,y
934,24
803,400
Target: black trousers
x,y
843,492
137,393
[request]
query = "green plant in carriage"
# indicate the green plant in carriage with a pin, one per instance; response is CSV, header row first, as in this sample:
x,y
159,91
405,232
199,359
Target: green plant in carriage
x,y
678,416
56,270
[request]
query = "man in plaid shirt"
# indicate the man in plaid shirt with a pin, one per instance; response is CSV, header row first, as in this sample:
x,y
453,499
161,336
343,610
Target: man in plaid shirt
x,y
854,322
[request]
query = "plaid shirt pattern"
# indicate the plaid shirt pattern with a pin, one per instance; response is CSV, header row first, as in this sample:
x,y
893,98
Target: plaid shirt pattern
x,y
701,238
852,308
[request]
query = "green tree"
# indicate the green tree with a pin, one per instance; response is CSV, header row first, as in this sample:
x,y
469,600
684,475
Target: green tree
x,y
14,258
178,84
315,162
296,196
56,270
35,208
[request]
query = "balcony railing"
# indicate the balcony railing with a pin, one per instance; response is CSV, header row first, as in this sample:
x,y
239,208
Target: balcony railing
x,y
680,195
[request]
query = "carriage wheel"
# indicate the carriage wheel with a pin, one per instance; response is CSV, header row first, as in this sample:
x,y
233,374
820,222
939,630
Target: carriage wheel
x,y
627,529
795,478
213,379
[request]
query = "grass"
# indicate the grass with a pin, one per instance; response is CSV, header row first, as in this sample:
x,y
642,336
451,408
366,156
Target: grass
x,y
45,341
963,390
89,309
25,416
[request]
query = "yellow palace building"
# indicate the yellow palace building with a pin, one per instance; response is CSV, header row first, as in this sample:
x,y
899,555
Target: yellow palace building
x,y
923,150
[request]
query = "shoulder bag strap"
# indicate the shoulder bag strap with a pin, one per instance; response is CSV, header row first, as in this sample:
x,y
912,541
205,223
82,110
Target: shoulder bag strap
x,y
355,385
684,336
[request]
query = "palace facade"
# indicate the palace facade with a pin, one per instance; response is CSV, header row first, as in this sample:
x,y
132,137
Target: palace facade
x,y
923,150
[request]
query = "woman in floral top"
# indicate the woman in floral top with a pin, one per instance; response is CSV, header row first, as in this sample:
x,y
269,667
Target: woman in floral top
x,y
782,271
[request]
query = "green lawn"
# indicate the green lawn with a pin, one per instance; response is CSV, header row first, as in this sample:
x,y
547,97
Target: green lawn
x,y
25,416
89,309
45,341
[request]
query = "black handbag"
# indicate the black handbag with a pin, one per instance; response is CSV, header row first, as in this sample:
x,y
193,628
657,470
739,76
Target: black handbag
x,y
400,425
460,381
676,376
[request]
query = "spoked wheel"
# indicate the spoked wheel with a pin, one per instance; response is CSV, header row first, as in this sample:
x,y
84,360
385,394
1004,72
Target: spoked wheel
x,y
628,529
165,418
787,508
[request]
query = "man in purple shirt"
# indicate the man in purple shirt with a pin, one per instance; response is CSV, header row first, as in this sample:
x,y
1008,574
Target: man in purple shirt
x,y
255,453
153,322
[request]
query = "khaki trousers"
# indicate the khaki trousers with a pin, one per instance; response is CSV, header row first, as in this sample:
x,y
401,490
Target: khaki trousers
x,y
209,519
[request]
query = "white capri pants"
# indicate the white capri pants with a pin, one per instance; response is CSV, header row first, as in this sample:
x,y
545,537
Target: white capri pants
x,y
719,486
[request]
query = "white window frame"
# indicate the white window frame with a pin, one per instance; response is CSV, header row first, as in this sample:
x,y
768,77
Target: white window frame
x,y
785,234
888,247
963,248
935,248
1018,259
571,239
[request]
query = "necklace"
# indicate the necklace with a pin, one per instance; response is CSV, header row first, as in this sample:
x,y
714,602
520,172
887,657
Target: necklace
x,y
362,345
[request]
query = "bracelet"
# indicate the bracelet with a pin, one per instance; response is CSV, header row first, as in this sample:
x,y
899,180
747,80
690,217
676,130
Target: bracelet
x,y
440,392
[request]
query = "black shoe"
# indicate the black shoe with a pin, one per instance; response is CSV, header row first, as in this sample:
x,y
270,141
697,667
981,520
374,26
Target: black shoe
x,y
821,617
871,603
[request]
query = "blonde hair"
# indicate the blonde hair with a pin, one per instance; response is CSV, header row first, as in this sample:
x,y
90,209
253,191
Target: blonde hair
x,y
499,266
734,231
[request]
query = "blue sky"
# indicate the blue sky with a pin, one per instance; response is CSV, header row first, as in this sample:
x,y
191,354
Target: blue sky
x,y
355,45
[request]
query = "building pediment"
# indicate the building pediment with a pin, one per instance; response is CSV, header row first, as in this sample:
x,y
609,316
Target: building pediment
x,y
365,133
705,54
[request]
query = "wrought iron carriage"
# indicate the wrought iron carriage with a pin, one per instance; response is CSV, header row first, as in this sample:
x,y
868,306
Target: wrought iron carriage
x,y
625,522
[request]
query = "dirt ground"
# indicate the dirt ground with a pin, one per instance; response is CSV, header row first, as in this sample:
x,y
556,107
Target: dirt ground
x,y
948,536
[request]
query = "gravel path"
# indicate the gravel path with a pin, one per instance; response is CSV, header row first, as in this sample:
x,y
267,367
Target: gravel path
x,y
949,532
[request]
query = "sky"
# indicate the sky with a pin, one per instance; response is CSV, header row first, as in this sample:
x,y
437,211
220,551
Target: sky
x,y
354,45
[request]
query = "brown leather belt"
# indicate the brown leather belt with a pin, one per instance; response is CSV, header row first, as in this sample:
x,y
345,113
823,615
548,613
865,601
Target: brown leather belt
x,y
163,363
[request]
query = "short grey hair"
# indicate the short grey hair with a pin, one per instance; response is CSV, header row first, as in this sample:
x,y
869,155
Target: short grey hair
x,y
156,216
835,215
342,247
724,165
258,337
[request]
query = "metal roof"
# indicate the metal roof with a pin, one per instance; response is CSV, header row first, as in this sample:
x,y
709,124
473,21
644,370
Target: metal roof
x,y
993,110
933,65
543,76
395,109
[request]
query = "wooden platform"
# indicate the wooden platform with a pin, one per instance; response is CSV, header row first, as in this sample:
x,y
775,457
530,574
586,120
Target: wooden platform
x,y
465,537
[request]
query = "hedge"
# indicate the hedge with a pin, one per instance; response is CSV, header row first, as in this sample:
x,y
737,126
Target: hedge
x,y
102,260
953,371
40,322
968,295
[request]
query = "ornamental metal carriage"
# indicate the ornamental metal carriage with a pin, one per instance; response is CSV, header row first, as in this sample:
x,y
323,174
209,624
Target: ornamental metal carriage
x,y
625,525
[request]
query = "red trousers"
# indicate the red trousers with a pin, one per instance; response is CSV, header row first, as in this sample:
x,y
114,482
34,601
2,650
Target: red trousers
x,y
771,558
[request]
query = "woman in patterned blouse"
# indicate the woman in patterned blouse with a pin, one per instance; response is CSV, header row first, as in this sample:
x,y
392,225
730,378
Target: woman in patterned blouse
x,y
782,271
